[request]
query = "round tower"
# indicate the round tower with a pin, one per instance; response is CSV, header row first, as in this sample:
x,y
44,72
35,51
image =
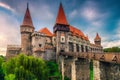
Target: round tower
x,y
97,39
26,29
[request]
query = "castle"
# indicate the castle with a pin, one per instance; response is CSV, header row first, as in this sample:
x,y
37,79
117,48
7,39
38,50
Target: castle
x,y
47,45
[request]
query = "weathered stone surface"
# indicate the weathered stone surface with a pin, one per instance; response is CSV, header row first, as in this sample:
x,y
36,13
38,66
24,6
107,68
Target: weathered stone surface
x,y
109,71
82,69
67,68
96,69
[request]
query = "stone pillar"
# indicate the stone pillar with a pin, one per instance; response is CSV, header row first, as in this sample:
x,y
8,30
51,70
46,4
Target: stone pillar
x,y
74,47
62,66
73,69
96,69
79,48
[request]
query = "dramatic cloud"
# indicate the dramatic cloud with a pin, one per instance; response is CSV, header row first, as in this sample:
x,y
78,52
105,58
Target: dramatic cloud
x,y
113,40
114,43
9,31
89,13
6,6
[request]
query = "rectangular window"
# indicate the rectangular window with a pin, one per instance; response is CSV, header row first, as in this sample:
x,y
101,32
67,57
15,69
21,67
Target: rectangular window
x,y
40,45
82,49
77,47
71,48
86,48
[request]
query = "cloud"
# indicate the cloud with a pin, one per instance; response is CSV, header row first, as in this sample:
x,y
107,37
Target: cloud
x,y
43,12
115,43
89,13
6,6
114,39
9,31
73,13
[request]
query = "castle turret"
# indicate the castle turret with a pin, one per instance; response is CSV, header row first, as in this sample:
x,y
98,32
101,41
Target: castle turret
x,y
27,29
61,30
97,39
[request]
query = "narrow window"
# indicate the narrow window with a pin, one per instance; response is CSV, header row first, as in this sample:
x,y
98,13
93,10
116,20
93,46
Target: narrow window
x,y
40,45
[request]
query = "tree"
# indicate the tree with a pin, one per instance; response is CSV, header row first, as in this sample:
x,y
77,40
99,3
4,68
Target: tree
x,y
53,70
25,68
113,49
1,69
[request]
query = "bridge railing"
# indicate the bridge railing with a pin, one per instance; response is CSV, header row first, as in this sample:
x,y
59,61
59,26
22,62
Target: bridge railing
x,y
105,57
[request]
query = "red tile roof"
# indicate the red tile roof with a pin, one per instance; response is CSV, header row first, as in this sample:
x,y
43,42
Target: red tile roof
x,y
76,32
46,31
27,18
97,37
54,34
86,38
61,18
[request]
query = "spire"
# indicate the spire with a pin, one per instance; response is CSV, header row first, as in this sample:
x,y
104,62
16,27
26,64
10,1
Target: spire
x,y
27,5
61,18
97,37
27,18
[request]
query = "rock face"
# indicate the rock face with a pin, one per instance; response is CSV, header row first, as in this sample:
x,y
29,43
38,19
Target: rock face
x,y
109,71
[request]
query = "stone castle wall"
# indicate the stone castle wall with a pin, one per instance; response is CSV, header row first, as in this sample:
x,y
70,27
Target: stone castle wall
x,y
109,71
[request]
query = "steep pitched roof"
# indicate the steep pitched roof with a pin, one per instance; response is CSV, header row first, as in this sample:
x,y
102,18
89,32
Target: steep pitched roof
x,y
46,31
76,32
27,18
61,18
97,37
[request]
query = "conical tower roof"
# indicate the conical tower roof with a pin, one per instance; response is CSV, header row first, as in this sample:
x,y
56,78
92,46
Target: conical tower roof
x,y
97,37
61,18
27,18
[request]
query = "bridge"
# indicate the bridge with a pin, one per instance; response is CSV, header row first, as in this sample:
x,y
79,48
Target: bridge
x,y
105,57
90,66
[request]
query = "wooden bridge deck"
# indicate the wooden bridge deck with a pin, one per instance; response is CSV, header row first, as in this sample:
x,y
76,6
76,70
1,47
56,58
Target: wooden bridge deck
x,y
105,57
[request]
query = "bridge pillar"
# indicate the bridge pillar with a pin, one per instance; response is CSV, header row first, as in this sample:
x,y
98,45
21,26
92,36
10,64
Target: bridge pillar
x,y
73,69
96,70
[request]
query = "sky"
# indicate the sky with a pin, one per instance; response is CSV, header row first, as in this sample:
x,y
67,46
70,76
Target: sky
x,y
90,16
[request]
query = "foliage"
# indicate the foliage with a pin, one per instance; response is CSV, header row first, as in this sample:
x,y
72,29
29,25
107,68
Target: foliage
x,y
66,78
10,77
25,68
113,49
1,69
53,69
91,71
